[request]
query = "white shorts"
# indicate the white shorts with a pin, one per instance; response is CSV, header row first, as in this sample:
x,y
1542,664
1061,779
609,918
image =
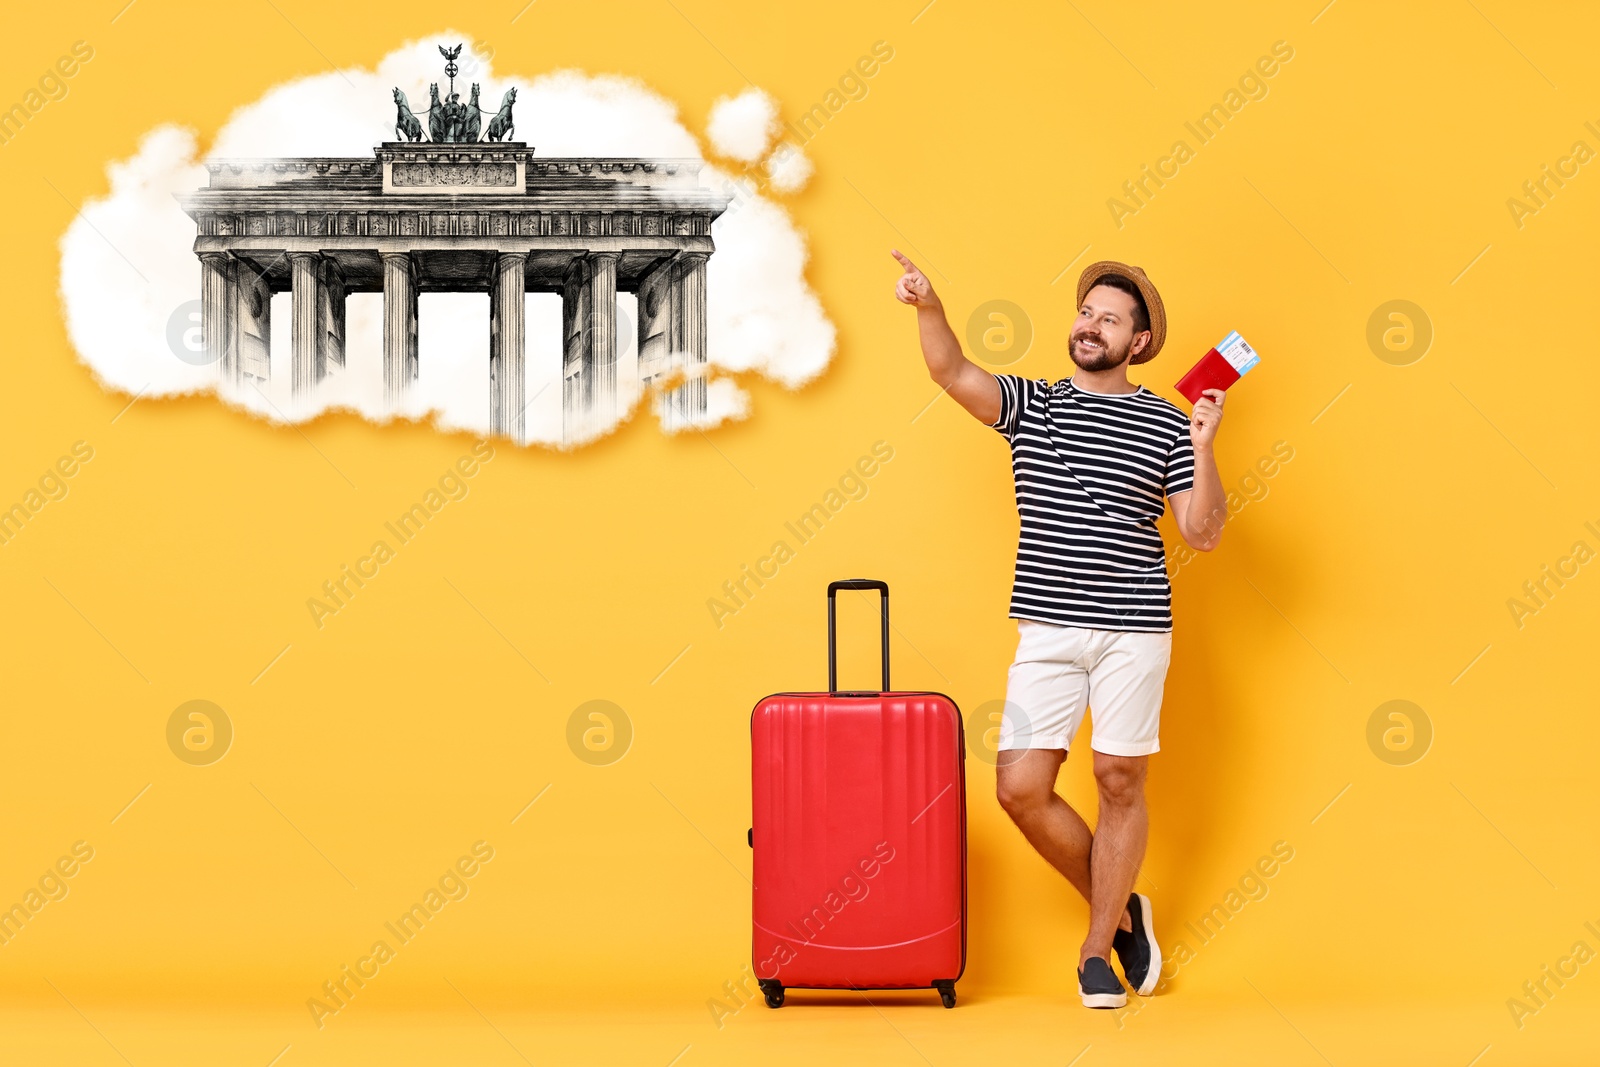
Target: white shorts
x,y
1060,671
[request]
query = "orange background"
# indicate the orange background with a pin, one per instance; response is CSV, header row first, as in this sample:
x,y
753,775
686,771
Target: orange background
x,y
1376,565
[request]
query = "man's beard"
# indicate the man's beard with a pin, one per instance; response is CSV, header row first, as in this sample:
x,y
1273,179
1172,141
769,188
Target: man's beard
x,y
1106,358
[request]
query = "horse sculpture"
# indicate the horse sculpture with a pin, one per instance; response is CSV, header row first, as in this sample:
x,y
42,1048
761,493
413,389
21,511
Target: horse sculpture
x,y
474,117
501,127
436,119
406,126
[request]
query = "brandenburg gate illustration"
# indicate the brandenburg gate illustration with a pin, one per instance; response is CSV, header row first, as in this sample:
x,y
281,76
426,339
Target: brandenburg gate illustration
x,y
459,214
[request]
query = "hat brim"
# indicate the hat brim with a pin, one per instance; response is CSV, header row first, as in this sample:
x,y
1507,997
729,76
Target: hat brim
x,y
1152,301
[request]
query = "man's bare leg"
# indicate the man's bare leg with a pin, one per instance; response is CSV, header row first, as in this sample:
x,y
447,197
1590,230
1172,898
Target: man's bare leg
x,y
1119,844
1025,783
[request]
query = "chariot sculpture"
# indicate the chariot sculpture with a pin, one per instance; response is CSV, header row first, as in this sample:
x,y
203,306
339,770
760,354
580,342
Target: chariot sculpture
x,y
449,121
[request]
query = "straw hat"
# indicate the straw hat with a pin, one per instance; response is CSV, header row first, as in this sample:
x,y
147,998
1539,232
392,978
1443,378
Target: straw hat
x,y
1152,300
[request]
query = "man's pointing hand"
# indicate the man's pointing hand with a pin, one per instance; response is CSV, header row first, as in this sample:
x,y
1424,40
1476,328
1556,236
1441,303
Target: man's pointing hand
x,y
913,287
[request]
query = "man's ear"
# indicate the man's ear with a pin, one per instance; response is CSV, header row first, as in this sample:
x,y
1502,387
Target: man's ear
x,y
1140,343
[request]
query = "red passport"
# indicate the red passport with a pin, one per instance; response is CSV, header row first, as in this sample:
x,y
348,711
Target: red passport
x,y
1219,368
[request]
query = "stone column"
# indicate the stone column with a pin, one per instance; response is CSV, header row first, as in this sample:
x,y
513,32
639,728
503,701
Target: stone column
x,y
400,366
508,346
602,353
218,310
331,300
672,335
589,368
577,372
307,365
253,316
318,290
689,401
656,294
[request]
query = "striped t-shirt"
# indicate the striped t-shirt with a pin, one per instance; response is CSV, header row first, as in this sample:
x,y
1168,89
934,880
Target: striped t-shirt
x,y
1092,470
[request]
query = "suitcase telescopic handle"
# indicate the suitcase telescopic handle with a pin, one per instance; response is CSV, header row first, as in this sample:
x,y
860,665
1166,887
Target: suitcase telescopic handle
x,y
833,642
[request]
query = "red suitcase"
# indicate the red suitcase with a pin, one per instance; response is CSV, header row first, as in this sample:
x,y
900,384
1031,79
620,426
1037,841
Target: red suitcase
x,y
859,831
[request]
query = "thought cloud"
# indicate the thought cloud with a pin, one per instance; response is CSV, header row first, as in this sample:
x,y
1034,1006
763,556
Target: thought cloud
x,y
130,280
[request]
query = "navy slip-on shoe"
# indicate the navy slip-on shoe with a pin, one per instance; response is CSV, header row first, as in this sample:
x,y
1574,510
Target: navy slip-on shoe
x,y
1137,948
1099,986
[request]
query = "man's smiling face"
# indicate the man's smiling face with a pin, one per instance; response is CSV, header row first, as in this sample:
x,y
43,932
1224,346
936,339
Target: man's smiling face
x,y
1103,337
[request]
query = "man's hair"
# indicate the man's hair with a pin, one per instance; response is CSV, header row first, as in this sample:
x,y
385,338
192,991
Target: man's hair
x,y
1122,283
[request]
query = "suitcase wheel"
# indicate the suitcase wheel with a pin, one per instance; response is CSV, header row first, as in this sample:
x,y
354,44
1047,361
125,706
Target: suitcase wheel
x,y
947,993
773,990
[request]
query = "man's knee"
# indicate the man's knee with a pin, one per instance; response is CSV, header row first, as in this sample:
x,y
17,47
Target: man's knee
x,y
1121,780
1020,794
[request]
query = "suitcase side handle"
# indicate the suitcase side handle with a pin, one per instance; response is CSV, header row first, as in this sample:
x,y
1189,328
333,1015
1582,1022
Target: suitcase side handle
x,y
833,643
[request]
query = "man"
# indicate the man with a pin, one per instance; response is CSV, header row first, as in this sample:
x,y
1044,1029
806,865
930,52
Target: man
x,y
1092,455
455,114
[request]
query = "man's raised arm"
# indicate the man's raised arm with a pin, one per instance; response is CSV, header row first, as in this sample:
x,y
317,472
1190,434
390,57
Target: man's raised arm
x,y
967,383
